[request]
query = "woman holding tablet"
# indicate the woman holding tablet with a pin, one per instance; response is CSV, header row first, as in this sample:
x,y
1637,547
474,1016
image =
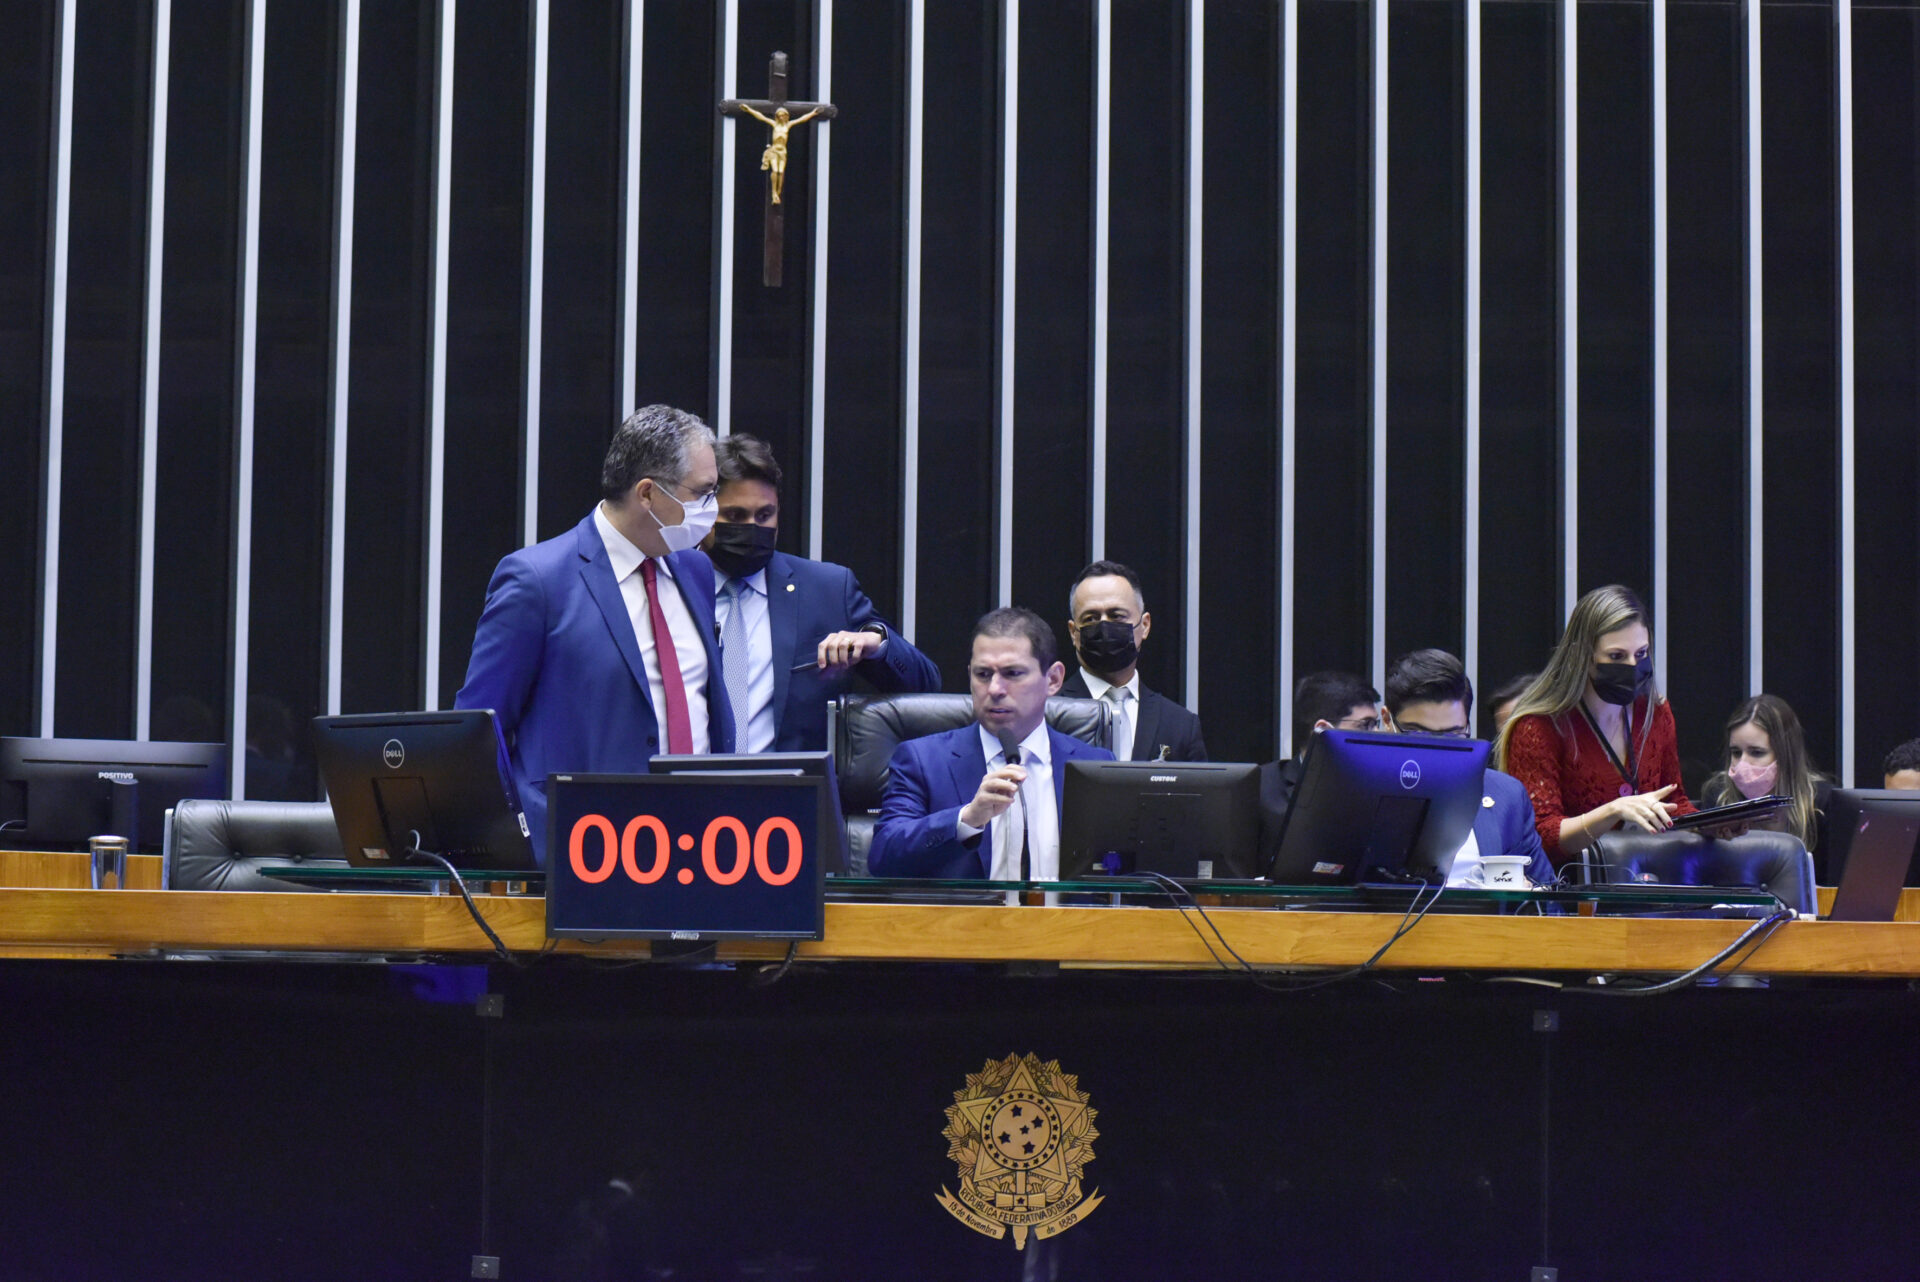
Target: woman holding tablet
x,y
1591,738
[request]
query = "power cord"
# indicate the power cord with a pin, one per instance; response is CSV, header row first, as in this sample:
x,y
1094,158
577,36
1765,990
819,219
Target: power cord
x,y
499,946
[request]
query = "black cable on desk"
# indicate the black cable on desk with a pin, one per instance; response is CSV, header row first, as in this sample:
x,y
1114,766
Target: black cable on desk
x,y
499,946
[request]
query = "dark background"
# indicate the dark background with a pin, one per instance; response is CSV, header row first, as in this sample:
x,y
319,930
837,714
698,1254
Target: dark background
x,y
182,1121
1699,649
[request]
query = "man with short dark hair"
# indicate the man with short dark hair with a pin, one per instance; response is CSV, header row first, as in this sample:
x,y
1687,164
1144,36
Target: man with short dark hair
x,y
1108,623
1901,769
984,800
1428,692
793,632
1321,701
595,649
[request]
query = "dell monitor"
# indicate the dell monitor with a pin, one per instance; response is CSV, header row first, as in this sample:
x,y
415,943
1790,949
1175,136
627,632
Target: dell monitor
x,y
432,778
1380,808
814,765
56,793
1181,819
1876,835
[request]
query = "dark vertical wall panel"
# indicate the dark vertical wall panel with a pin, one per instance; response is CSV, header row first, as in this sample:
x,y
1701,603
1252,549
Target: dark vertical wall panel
x,y
193,518
1520,615
386,496
1426,332
580,368
1053,336
290,423
1701,647
1332,587
26,102
1240,337
100,499
958,301
1801,485
1616,299
866,226
486,318
1146,404
676,211
1886,182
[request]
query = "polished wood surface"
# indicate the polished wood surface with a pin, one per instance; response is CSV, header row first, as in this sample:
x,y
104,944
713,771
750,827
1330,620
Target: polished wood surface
x,y
137,922
52,869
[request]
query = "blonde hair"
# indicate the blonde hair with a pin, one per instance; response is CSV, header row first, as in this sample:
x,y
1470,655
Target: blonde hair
x,y
1563,682
1775,718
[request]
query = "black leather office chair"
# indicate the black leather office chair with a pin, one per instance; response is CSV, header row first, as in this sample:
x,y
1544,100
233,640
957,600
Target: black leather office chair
x,y
1773,861
222,845
865,729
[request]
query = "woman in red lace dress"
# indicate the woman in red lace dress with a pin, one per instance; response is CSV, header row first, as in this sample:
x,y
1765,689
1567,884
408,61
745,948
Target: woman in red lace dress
x,y
1591,738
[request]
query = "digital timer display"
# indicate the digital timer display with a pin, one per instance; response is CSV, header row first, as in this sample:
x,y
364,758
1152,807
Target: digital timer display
x,y
684,856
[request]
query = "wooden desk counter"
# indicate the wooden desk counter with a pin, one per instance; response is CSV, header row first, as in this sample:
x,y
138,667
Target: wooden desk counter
x,y
88,922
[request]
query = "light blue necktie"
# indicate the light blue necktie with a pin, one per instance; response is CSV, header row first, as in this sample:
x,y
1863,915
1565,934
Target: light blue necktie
x,y
736,663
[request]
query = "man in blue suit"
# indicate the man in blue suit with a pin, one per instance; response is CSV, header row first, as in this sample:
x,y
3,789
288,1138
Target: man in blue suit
x,y
984,800
793,632
1428,693
596,649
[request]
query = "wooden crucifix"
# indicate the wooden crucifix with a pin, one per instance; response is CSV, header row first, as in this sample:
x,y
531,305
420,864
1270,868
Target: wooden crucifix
x,y
776,112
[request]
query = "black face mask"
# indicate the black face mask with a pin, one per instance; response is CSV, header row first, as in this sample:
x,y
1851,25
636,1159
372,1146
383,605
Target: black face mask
x,y
741,548
1622,683
1107,646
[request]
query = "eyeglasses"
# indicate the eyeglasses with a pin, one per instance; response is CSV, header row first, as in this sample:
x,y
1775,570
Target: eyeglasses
x,y
1452,732
712,491
1358,723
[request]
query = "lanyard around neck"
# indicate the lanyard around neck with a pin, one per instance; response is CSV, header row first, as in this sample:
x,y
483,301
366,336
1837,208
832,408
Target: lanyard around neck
x,y
1630,768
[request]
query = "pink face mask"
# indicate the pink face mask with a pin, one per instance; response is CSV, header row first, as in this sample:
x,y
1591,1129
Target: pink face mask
x,y
1754,781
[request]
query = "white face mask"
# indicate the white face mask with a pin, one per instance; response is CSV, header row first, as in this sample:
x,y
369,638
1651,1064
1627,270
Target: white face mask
x,y
696,522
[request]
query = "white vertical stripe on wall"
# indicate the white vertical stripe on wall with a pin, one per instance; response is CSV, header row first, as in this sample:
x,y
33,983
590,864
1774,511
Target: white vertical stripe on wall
x,y
1289,358
150,361
636,22
1843,174
1470,579
536,276
1569,308
1377,398
340,344
437,354
1102,227
59,218
1658,17
910,322
1196,156
245,368
1756,606
817,382
1009,258
723,270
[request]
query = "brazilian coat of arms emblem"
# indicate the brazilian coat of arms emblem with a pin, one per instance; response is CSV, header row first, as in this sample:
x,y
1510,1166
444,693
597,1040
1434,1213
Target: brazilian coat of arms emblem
x,y
1021,1132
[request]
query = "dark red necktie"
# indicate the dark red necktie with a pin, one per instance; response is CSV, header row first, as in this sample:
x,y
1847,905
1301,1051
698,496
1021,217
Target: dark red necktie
x,y
679,724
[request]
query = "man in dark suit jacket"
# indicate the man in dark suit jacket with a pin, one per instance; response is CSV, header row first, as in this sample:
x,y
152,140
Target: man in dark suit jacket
x,y
568,652
804,628
1108,624
1321,701
984,800
1428,693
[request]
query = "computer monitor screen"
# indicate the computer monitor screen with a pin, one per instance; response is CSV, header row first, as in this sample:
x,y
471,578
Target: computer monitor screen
x,y
1380,808
1182,819
392,775
1874,832
833,824
56,793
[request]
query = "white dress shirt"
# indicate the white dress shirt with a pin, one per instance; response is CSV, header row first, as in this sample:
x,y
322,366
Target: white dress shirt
x,y
687,644
1126,718
753,724
1034,814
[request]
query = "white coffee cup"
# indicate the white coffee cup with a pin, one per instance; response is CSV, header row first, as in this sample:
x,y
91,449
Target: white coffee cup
x,y
1505,872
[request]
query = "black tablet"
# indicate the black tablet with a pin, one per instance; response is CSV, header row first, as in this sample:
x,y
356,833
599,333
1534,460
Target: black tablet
x,y
1741,812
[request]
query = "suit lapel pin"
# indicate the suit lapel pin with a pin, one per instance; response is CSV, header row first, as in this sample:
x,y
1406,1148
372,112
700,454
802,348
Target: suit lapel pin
x,y
789,587
1487,802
